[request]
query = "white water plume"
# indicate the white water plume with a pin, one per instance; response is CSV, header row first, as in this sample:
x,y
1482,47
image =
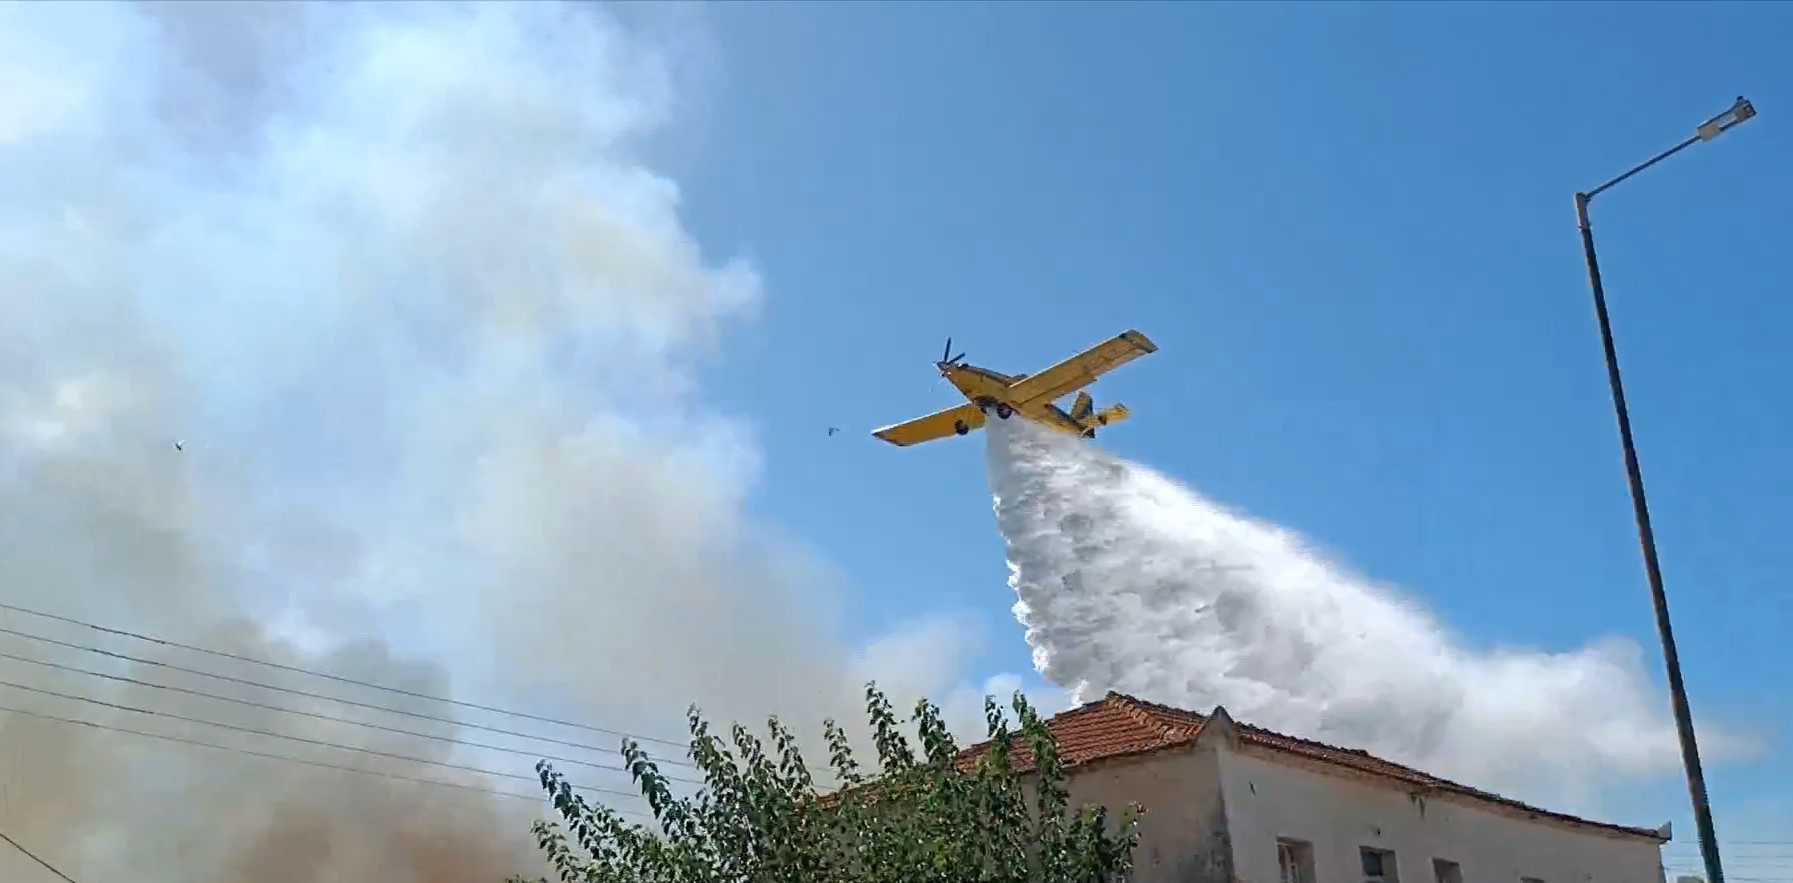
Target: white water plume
x,y
1132,582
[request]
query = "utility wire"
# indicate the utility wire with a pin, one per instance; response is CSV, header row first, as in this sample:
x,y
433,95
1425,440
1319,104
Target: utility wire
x,y
1753,843
312,695
342,720
1741,853
197,743
359,683
30,855
1696,870
309,741
662,761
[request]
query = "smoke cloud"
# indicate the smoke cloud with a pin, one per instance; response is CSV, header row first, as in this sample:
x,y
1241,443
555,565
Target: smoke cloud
x,y
1129,581
402,282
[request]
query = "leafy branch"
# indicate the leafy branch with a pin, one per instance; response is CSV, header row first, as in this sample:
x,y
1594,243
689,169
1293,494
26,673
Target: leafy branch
x,y
934,813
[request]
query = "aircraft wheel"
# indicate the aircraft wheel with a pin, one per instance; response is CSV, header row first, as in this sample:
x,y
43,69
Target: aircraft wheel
x,y
1004,411
960,427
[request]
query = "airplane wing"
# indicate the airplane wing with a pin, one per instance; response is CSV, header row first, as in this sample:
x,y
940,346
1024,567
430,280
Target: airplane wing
x,y
1082,369
939,424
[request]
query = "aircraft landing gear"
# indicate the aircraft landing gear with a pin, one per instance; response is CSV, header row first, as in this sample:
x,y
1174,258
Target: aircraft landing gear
x,y
987,404
960,427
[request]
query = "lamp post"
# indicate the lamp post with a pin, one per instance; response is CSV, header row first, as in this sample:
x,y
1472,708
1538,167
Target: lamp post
x,y
1738,113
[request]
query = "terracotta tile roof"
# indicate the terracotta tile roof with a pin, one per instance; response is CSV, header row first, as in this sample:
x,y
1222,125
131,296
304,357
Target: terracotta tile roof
x,y
1115,726
1118,725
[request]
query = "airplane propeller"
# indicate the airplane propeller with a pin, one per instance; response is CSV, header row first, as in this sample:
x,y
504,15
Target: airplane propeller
x,y
946,356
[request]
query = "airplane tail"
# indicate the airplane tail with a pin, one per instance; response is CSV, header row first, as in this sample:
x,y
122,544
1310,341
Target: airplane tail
x,y
1112,414
1083,406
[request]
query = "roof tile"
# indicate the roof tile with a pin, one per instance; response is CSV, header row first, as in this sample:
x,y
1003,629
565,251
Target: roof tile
x,y
1102,730
1118,725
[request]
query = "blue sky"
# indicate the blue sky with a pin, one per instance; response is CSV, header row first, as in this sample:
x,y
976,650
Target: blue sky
x,y
1350,229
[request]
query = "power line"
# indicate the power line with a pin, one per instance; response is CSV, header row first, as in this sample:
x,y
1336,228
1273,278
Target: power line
x,y
821,774
1745,863
198,743
1696,870
1741,852
339,678
1758,843
343,720
309,741
1769,857
126,657
30,855
1759,863
1761,842
1699,870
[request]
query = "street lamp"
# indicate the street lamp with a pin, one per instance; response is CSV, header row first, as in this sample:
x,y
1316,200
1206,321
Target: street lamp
x,y
1738,113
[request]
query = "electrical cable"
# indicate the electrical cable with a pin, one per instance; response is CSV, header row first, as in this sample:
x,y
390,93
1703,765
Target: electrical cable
x,y
326,717
339,678
662,761
30,855
306,740
126,657
198,743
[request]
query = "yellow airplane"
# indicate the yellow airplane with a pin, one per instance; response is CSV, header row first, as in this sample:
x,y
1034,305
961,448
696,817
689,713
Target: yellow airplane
x,y
1031,397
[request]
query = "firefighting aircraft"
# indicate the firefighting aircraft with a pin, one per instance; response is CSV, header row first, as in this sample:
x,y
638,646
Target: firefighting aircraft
x,y
1030,396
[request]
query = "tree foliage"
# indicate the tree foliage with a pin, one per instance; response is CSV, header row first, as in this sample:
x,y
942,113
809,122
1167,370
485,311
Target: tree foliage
x,y
761,816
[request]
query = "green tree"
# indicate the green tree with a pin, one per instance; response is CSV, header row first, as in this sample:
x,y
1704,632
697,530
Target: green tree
x,y
923,818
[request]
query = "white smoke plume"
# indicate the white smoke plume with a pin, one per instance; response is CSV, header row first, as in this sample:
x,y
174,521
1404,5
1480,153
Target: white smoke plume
x,y
404,282
1129,581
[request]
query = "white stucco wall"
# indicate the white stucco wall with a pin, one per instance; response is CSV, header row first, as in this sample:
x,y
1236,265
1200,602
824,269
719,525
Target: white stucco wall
x,y
1267,798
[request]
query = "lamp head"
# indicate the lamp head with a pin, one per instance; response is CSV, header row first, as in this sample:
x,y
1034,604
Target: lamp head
x,y
1738,113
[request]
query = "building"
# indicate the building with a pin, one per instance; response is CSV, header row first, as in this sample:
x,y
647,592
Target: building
x,y
1231,803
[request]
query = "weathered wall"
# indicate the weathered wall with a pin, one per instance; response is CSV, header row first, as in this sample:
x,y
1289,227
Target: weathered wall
x,y
1266,799
1183,836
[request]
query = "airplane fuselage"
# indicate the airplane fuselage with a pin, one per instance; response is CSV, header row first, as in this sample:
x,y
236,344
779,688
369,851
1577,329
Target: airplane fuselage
x,y
989,390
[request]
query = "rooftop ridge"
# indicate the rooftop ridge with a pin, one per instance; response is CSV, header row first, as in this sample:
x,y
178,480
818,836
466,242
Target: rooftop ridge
x,y
1315,743
1147,714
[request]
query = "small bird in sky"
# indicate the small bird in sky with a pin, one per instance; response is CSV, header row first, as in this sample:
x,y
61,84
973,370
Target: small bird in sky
x,y
833,429
179,445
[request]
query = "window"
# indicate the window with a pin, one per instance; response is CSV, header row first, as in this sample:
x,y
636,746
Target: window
x,y
1378,865
1296,858
1446,871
